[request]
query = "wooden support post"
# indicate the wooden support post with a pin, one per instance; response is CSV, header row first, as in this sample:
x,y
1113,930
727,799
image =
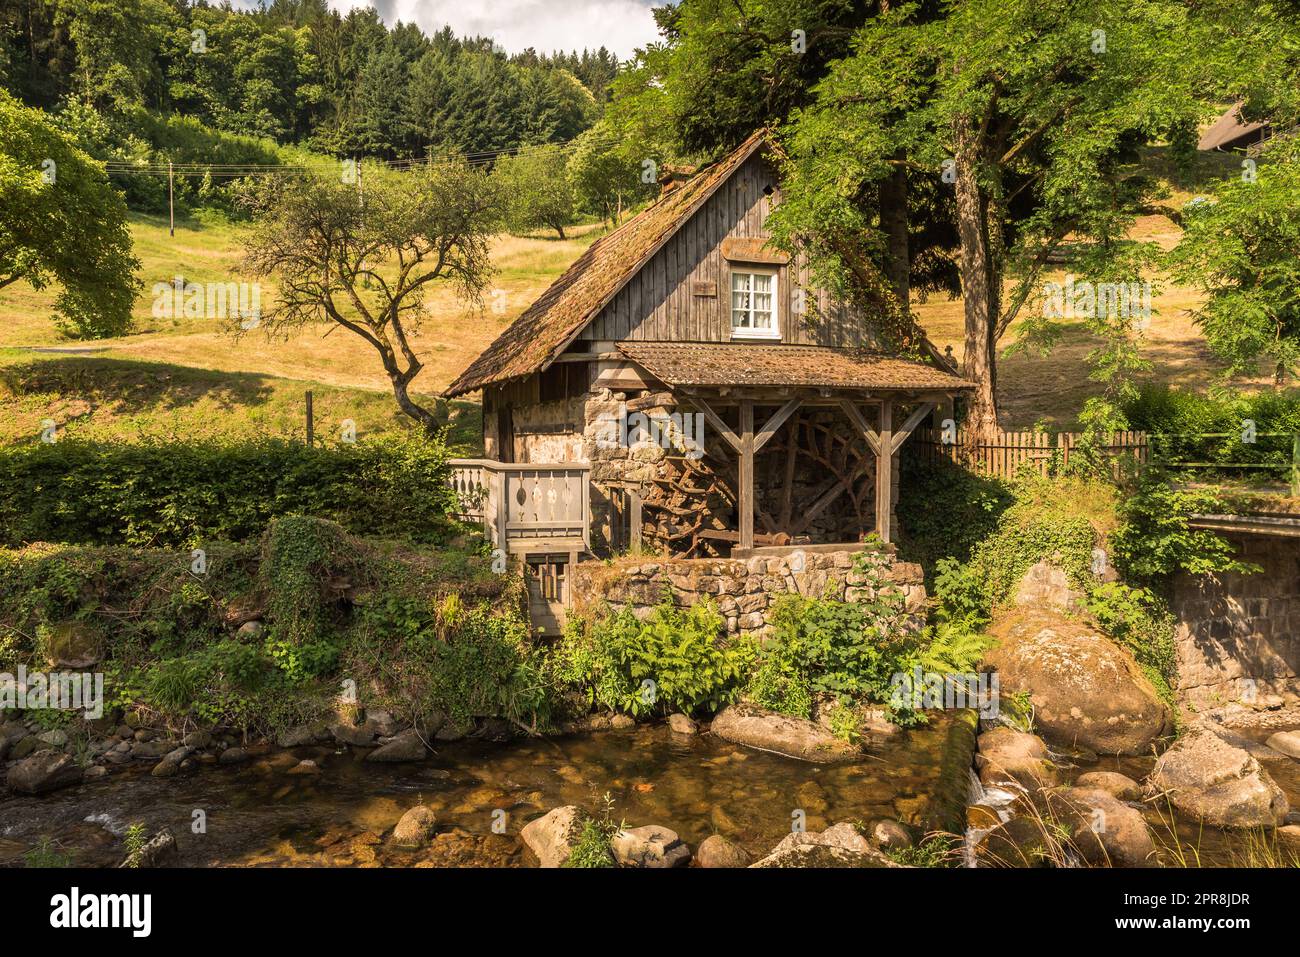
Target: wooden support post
x,y
502,509
634,530
311,425
171,198
746,490
885,472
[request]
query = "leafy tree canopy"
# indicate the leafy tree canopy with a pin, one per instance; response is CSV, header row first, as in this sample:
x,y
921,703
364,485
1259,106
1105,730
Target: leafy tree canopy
x,y
62,223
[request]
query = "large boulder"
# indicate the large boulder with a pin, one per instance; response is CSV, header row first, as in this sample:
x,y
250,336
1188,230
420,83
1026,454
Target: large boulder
x,y
838,846
73,645
415,827
1112,782
1086,691
553,836
794,737
44,771
1019,842
1285,742
1224,786
1104,830
1048,585
407,746
649,846
1007,756
302,735
716,851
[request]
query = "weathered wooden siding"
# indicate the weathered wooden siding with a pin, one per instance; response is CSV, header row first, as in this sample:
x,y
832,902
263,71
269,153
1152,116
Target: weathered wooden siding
x,y
659,304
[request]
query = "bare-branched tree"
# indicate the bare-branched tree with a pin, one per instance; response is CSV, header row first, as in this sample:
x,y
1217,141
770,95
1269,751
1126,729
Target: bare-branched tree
x,y
364,259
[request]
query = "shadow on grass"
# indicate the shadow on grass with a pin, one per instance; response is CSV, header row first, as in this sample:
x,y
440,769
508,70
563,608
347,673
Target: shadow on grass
x,y
80,386
132,386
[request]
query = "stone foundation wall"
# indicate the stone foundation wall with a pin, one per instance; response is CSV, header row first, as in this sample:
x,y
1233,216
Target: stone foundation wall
x,y
1238,636
744,589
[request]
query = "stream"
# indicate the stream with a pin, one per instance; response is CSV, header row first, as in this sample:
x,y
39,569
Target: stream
x,y
258,814
266,814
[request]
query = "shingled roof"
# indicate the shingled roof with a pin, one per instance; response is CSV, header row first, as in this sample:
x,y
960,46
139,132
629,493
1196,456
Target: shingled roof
x,y
1230,131
546,327
753,364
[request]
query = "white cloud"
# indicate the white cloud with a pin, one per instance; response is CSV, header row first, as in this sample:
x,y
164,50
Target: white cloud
x,y
545,25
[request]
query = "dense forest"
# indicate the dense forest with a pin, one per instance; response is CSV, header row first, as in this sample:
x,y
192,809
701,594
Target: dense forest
x,y
295,72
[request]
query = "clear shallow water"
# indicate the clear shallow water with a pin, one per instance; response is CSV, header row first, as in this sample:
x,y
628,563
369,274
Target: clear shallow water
x,y
258,814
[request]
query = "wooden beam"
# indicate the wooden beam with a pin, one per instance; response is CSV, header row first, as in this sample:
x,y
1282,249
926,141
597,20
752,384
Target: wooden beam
x,y
775,422
715,420
787,490
820,505
634,521
746,483
860,423
912,421
651,401
885,472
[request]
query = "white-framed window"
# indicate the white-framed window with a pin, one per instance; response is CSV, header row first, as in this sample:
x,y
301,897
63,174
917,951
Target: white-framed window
x,y
753,304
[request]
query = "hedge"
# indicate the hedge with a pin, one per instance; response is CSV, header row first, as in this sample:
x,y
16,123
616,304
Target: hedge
x,y
181,494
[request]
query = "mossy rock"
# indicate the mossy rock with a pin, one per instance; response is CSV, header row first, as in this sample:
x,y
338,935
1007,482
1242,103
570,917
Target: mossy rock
x,y
72,644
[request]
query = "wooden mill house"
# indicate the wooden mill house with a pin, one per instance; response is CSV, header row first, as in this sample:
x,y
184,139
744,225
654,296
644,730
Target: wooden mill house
x,y
683,388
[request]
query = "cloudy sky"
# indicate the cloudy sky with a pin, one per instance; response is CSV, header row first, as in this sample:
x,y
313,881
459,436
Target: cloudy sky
x,y
620,25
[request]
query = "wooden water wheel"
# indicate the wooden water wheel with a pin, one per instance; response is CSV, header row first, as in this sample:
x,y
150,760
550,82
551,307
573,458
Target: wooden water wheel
x,y
685,502
817,445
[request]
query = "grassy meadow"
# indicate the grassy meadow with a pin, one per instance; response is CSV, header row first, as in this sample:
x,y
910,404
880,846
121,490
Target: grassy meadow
x,y
193,377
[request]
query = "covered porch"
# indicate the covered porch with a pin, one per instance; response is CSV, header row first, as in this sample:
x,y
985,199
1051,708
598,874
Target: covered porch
x,y
800,445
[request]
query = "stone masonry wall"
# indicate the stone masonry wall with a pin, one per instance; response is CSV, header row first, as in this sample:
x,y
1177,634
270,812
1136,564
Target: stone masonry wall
x,y
744,589
1238,636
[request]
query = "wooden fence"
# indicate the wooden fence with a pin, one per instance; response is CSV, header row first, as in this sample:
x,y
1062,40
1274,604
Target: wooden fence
x,y
1005,454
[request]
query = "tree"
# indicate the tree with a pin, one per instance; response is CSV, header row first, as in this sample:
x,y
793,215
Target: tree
x,y
61,222
116,42
364,260
554,105
1243,252
536,189
1023,119
603,180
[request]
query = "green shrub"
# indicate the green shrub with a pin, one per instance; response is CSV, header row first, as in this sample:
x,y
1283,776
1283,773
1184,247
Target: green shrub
x,y
486,666
305,564
852,652
613,657
1187,427
334,606
177,494
944,511
1138,620
1153,540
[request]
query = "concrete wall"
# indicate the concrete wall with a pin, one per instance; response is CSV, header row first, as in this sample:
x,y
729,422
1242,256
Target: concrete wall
x,y
744,589
1239,635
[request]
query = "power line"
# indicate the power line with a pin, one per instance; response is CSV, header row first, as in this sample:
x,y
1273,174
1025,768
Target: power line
x,y
242,170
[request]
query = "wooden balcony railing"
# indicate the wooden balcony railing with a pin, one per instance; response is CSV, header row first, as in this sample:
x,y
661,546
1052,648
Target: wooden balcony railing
x,y
525,505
